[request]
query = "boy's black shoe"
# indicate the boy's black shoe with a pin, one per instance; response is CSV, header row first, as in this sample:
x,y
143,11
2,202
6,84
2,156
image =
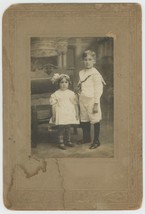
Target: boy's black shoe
x,y
95,145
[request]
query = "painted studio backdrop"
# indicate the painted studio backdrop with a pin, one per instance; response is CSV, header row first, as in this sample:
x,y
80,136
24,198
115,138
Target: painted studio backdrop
x,y
64,55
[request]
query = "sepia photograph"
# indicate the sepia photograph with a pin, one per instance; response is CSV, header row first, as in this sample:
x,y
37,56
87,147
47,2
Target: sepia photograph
x,y
72,107
72,98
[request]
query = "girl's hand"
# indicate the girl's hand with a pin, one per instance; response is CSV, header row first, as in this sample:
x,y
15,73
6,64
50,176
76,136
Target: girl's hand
x,y
95,108
77,117
53,118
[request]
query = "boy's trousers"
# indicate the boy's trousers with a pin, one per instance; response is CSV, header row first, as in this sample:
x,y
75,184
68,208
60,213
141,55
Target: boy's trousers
x,y
86,110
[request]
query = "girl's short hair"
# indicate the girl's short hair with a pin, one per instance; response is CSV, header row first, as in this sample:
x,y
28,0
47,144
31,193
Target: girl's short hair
x,y
56,79
62,76
89,52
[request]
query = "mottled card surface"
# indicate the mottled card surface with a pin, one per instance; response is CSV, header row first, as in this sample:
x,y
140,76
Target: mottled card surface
x,y
40,43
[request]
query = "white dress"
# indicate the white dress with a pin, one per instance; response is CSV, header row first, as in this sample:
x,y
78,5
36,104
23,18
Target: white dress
x,y
64,102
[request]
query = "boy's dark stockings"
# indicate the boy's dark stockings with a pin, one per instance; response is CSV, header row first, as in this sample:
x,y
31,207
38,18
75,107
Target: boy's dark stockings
x,y
86,127
96,142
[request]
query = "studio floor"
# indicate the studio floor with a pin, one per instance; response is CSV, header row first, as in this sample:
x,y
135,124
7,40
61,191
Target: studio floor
x,y
47,146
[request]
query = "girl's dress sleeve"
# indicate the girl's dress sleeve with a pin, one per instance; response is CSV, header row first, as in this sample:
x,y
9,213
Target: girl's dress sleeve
x,y
53,99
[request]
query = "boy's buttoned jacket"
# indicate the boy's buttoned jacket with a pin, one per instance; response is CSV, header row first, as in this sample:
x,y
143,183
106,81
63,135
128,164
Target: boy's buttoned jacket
x,y
91,91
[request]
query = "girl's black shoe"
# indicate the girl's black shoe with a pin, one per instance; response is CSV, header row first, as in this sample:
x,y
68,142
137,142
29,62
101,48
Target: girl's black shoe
x,y
70,144
62,146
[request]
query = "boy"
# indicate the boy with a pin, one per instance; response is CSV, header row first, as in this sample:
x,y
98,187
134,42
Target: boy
x,y
91,89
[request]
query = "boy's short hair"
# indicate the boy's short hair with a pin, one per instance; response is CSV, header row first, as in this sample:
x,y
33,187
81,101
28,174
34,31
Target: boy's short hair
x,y
89,52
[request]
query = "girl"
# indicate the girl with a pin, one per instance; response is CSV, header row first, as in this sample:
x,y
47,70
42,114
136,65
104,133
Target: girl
x,y
64,109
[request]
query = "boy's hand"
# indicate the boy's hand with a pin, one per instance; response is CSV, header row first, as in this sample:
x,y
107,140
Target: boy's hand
x,y
95,108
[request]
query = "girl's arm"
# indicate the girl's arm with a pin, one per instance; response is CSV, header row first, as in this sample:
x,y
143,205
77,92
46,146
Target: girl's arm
x,y
95,108
77,107
53,113
53,102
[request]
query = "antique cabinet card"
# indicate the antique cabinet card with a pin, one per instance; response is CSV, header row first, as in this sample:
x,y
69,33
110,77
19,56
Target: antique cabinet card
x,y
65,150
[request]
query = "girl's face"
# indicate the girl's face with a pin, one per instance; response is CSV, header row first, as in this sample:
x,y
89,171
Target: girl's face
x,y
89,61
63,84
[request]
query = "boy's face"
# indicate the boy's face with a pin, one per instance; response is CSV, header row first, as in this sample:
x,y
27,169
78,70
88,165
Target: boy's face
x,y
89,61
63,84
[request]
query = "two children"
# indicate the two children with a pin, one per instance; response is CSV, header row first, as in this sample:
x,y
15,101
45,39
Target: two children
x,y
65,106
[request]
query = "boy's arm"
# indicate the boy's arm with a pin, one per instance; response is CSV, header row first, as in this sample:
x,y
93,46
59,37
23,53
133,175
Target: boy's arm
x,y
98,90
